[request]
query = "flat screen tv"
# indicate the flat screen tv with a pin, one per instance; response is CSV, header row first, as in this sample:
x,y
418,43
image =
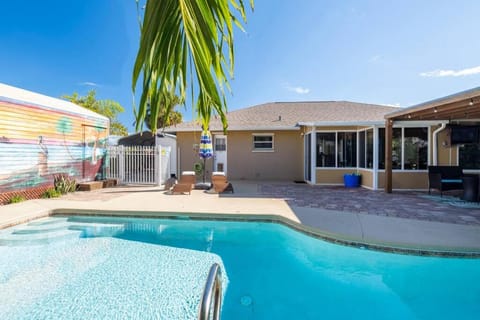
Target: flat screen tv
x,y
464,134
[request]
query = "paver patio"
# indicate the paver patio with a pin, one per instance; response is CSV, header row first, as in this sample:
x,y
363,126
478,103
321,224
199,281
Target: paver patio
x,y
401,204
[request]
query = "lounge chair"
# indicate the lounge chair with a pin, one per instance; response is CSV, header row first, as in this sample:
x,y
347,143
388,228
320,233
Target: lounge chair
x,y
186,183
220,183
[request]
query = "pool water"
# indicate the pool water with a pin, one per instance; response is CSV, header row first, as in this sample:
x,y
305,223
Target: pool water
x,y
103,267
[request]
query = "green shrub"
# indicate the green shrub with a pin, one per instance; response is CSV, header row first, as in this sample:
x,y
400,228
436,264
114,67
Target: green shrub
x,y
64,184
17,199
198,168
51,193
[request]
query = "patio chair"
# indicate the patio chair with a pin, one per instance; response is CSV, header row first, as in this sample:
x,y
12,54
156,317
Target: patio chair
x,y
444,178
220,183
186,183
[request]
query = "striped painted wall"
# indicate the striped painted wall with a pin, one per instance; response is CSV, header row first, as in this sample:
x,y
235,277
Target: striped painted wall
x,y
41,136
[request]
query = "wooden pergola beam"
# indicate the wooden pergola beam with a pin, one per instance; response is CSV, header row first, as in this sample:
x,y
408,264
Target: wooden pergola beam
x,y
445,113
463,108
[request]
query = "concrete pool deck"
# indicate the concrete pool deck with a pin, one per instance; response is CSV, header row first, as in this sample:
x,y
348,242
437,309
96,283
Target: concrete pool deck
x,y
249,199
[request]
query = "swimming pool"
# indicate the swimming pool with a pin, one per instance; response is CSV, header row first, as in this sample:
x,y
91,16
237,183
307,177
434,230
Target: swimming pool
x,y
107,267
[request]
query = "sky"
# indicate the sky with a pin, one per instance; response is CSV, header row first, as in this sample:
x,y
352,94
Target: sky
x,y
389,52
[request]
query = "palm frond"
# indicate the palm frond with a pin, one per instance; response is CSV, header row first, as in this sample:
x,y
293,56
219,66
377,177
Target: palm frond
x,y
175,33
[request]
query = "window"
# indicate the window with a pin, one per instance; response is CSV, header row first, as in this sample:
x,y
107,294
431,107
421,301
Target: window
x,y
365,149
326,149
369,153
308,157
396,148
263,142
361,149
469,156
220,144
336,149
347,149
415,148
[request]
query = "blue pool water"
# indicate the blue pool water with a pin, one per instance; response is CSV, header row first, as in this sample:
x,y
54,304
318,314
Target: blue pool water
x,y
94,268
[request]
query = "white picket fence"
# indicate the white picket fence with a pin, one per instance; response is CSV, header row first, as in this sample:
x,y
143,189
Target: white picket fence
x,y
138,164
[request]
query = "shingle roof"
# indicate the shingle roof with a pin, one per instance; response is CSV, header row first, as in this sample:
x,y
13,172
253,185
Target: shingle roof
x,y
286,115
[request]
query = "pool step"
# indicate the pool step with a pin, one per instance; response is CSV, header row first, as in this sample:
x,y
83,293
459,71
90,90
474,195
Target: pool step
x,y
47,231
49,227
44,228
90,230
47,221
13,239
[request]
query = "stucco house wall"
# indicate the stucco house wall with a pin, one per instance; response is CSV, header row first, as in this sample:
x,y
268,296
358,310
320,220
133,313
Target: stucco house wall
x,y
447,154
285,162
187,154
405,180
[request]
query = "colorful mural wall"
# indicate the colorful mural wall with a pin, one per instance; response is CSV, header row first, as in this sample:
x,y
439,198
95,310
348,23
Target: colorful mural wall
x,y
38,141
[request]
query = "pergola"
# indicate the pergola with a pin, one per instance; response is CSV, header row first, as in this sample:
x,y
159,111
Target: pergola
x,y
462,106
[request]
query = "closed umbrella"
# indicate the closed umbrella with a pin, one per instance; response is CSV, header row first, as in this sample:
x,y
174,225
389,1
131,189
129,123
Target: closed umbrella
x,y
206,148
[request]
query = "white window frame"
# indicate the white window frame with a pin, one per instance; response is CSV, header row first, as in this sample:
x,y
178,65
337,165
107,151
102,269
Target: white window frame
x,y
403,127
254,149
365,148
336,149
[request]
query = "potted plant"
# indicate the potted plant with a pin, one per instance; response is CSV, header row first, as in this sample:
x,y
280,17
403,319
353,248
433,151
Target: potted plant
x,y
198,168
352,180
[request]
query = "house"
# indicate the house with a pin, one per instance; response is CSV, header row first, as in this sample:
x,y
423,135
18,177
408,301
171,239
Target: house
x,y
319,142
273,141
41,136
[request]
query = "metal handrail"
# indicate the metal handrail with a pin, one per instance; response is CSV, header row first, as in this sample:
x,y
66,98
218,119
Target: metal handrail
x,y
213,287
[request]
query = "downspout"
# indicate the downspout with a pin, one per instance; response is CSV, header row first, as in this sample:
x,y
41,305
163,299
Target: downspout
x,y
435,142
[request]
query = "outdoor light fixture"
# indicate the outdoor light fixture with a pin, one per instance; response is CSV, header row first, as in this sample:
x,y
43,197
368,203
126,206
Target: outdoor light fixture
x,y
435,110
471,102
409,116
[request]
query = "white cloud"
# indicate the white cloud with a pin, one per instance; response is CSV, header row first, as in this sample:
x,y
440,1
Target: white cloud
x,y
451,73
299,90
392,105
90,84
375,58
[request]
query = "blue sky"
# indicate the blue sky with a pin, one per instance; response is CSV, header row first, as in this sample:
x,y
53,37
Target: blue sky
x,y
385,52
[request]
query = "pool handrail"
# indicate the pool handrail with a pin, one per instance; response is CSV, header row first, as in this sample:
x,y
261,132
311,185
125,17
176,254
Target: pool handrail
x,y
213,288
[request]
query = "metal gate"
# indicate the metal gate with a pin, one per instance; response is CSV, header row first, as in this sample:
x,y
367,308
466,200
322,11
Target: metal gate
x,y
138,164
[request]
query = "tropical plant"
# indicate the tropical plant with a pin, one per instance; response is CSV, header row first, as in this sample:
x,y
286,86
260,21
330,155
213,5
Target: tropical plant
x,y
108,108
51,193
64,184
186,43
16,199
167,116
